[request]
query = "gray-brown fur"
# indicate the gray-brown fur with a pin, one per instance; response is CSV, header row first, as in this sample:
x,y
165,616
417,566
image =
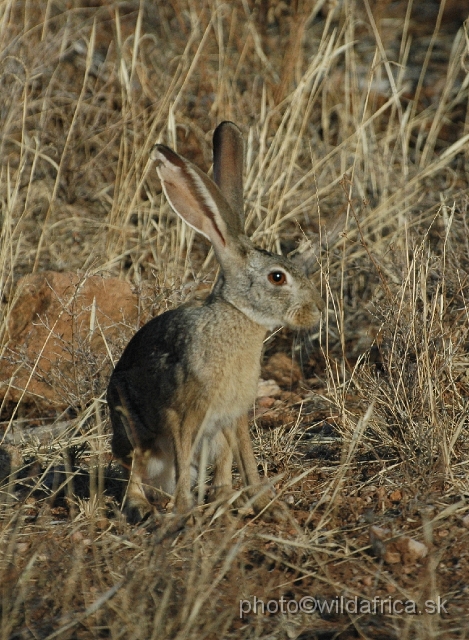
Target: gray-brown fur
x,y
190,376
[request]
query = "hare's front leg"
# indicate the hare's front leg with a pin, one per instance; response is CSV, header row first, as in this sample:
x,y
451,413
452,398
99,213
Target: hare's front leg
x,y
183,433
245,455
248,469
223,476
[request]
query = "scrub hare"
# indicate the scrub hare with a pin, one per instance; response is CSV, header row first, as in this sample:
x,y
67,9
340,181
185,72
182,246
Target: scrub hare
x,y
190,375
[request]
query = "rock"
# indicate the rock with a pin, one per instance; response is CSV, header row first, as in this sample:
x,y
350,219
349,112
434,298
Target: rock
x,y
411,550
403,550
283,369
268,388
53,317
265,403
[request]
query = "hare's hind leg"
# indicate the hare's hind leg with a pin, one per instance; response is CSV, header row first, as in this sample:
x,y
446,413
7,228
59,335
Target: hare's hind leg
x,y
135,504
125,446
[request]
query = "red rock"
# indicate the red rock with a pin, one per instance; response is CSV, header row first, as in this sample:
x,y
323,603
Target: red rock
x,y
403,550
268,388
265,402
282,368
52,315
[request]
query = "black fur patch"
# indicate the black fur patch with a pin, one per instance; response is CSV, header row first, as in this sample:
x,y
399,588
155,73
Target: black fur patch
x,y
145,380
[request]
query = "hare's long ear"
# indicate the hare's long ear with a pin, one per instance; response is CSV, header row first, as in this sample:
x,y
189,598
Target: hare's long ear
x,y
228,164
198,200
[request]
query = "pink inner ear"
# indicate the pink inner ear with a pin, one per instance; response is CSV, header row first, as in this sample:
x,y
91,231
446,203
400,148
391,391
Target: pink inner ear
x,y
189,209
188,194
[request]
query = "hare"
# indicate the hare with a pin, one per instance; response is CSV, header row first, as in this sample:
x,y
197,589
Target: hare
x,y
187,379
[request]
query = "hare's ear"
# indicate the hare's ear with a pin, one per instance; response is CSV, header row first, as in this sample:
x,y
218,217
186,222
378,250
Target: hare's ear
x,y
197,199
228,164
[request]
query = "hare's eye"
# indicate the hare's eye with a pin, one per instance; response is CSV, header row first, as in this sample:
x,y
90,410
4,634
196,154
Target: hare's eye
x,y
277,277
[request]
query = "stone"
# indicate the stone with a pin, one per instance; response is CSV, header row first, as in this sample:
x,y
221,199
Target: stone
x,y
53,317
283,369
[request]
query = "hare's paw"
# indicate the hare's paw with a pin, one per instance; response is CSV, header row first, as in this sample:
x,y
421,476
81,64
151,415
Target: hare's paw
x,y
221,493
183,502
268,510
274,513
135,514
136,509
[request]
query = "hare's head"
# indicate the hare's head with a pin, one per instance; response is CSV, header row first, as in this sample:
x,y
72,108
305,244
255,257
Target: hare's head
x,y
266,287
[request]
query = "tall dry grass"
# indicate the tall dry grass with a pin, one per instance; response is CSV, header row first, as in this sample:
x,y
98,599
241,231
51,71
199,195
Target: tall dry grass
x,y
357,135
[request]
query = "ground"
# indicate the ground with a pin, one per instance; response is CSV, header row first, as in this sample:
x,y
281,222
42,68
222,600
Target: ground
x,y
355,116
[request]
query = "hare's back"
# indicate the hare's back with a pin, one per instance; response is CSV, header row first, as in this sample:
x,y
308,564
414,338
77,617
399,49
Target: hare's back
x,y
160,345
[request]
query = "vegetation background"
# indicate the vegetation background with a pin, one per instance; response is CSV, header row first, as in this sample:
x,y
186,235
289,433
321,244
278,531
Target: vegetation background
x,y
356,119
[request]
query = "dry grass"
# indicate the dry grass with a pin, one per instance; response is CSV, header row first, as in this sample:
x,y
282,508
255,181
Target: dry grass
x,y
357,128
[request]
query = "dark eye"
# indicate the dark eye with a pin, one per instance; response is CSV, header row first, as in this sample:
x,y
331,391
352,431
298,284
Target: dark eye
x,y
277,277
